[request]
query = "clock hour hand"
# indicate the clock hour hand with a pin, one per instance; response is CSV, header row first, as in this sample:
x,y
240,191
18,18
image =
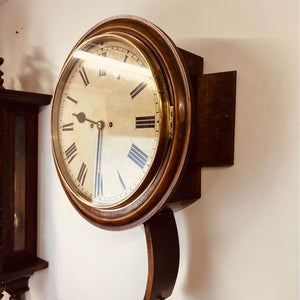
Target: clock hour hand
x,y
82,118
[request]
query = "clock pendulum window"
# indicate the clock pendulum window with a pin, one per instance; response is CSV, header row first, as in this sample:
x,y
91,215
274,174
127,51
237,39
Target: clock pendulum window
x,y
133,121
18,189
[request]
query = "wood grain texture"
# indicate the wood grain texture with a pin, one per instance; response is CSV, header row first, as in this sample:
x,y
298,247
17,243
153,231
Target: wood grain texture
x,y
215,110
213,126
163,255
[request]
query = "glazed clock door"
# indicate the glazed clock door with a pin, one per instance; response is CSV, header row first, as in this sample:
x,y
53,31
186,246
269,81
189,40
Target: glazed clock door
x,y
19,185
108,121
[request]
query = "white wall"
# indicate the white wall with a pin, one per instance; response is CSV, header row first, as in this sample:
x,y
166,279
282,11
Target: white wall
x,y
240,241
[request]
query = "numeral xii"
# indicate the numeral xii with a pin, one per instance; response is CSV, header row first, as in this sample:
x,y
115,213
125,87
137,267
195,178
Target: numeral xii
x,y
102,72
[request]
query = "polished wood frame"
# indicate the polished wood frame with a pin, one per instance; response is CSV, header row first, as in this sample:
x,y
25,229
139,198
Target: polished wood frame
x,y
167,65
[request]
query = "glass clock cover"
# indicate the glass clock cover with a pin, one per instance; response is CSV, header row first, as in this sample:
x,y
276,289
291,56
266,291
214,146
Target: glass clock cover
x,y
108,120
121,122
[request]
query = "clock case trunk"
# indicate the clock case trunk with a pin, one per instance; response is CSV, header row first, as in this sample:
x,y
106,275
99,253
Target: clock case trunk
x,y
17,263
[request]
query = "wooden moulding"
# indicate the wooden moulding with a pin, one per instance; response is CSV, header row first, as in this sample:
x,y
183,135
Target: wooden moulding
x,y
15,282
213,101
11,96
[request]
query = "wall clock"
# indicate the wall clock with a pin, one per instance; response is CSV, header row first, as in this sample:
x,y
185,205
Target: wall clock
x,y
18,189
133,120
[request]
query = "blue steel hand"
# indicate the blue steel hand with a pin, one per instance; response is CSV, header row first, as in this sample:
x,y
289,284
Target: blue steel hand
x,y
98,183
82,118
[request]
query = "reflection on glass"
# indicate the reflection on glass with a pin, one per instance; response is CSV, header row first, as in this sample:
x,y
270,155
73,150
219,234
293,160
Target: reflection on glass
x,y
20,188
130,71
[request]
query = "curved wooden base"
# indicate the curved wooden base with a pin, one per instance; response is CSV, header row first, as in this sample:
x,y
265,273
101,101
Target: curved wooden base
x,y
163,255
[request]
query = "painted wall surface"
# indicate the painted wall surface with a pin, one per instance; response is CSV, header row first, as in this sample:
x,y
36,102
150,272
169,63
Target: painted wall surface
x,y
240,241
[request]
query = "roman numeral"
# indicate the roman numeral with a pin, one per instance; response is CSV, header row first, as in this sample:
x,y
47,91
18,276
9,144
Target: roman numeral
x,y
101,71
84,76
125,59
71,152
138,156
82,174
121,181
68,127
138,89
72,99
145,122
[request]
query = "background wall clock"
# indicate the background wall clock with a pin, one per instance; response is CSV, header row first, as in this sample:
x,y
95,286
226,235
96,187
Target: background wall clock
x,y
18,189
133,121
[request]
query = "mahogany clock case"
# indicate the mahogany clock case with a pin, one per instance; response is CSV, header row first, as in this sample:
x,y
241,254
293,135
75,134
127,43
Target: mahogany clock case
x,y
202,126
156,189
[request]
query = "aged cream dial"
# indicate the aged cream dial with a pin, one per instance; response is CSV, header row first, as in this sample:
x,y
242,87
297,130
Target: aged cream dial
x,y
107,120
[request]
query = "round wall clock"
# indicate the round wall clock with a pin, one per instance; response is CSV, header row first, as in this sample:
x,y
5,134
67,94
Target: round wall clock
x,y
124,118
121,122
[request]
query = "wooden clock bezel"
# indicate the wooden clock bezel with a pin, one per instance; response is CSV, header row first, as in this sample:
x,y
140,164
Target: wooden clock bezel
x,y
155,195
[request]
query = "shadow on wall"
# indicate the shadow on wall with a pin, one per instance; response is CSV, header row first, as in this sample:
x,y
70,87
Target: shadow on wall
x,y
36,75
222,230
25,65
219,55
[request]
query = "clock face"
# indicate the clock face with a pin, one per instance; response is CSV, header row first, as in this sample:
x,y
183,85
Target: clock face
x,y
121,122
107,119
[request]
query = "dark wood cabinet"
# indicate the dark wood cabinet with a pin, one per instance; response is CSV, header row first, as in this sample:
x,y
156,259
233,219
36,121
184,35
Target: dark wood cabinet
x,y
18,189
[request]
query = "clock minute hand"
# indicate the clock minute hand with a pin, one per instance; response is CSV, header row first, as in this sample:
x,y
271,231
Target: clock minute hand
x,y
82,118
98,184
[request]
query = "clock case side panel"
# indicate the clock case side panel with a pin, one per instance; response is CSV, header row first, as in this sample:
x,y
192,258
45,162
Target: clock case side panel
x,y
213,124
